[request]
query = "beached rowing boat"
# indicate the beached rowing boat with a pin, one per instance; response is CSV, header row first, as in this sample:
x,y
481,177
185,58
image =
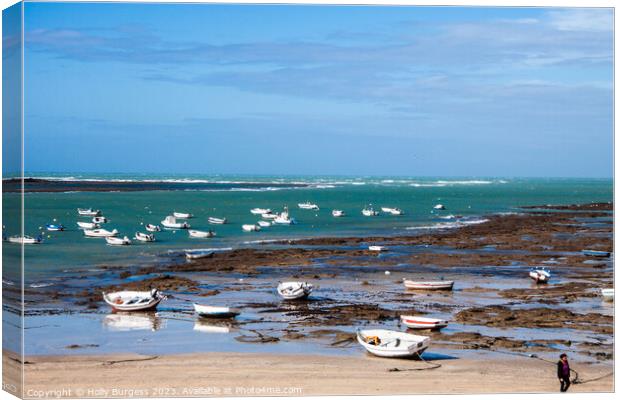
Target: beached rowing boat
x,y
170,222
308,206
194,255
100,232
133,300
540,275
182,215
250,228
608,294
392,344
144,237
428,285
217,221
88,212
595,253
216,312
377,248
114,241
87,225
415,322
153,228
25,239
294,290
201,234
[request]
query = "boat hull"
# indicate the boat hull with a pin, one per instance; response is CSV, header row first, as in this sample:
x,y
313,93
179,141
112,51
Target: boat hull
x,y
440,285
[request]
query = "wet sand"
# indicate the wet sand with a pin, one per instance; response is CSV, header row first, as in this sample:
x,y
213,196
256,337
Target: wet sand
x,y
236,374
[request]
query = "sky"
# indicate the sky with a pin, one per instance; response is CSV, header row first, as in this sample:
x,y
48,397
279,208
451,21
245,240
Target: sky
x,y
318,90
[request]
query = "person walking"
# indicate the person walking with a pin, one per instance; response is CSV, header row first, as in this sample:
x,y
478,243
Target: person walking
x,y
564,373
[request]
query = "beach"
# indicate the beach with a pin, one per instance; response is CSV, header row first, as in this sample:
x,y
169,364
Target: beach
x,y
235,374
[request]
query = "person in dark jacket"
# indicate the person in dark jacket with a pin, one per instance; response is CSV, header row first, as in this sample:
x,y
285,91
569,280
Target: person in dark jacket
x,y
564,373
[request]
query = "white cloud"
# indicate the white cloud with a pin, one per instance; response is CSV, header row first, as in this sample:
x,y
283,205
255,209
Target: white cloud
x,y
583,19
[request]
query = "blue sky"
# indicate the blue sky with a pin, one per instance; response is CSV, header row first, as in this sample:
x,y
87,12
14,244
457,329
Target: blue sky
x,y
318,90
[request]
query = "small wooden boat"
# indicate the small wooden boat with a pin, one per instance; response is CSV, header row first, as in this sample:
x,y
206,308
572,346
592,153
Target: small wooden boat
x,y
377,248
308,206
338,213
414,322
392,210
540,275
294,290
153,228
25,239
182,215
439,207
250,228
217,221
369,212
200,234
100,233
428,285
608,294
392,344
114,241
216,312
264,224
595,253
55,227
260,211
194,255
144,237
170,222
87,225
88,212
99,220
133,300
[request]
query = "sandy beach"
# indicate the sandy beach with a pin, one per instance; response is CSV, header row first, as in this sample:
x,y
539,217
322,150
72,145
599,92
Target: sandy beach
x,y
234,374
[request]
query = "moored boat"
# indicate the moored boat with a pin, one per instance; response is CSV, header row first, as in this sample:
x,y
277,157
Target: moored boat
x,y
217,221
595,253
294,290
250,228
338,213
428,285
170,222
264,224
608,294
540,275
415,322
153,228
182,215
271,216
99,220
392,210
392,344
25,239
87,225
88,212
283,218
368,211
193,233
308,206
133,300
216,312
114,241
55,227
260,211
439,207
100,232
144,237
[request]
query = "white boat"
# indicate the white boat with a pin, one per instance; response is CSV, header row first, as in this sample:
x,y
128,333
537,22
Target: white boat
x,y
182,215
144,237
201,234
55,227
369,212
283,218
394,344
269,216
415,322
608,294
133,300
25,239
439,207
153,228
338,213
87,225
428,285
100,233
88,212
114,241
260,211
264,224
595,253
250,228
170,222
308,206
99,220
294,290
393,211
217,221
377,248
540,275
194,255
216,312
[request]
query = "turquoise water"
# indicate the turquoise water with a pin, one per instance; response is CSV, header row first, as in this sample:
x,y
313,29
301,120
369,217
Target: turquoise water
x,y
70,250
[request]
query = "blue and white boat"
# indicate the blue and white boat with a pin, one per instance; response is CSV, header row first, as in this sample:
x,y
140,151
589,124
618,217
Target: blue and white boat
x,y
55,227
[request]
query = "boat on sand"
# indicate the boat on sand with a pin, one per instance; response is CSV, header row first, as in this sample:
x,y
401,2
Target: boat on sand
x,y
392,344
428,285
294,290
608,294
540,275
216,312
197,254
415,322
133,300
377,248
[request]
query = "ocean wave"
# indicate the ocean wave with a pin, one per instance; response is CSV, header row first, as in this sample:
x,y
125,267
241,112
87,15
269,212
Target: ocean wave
x,y
8,282
207,249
